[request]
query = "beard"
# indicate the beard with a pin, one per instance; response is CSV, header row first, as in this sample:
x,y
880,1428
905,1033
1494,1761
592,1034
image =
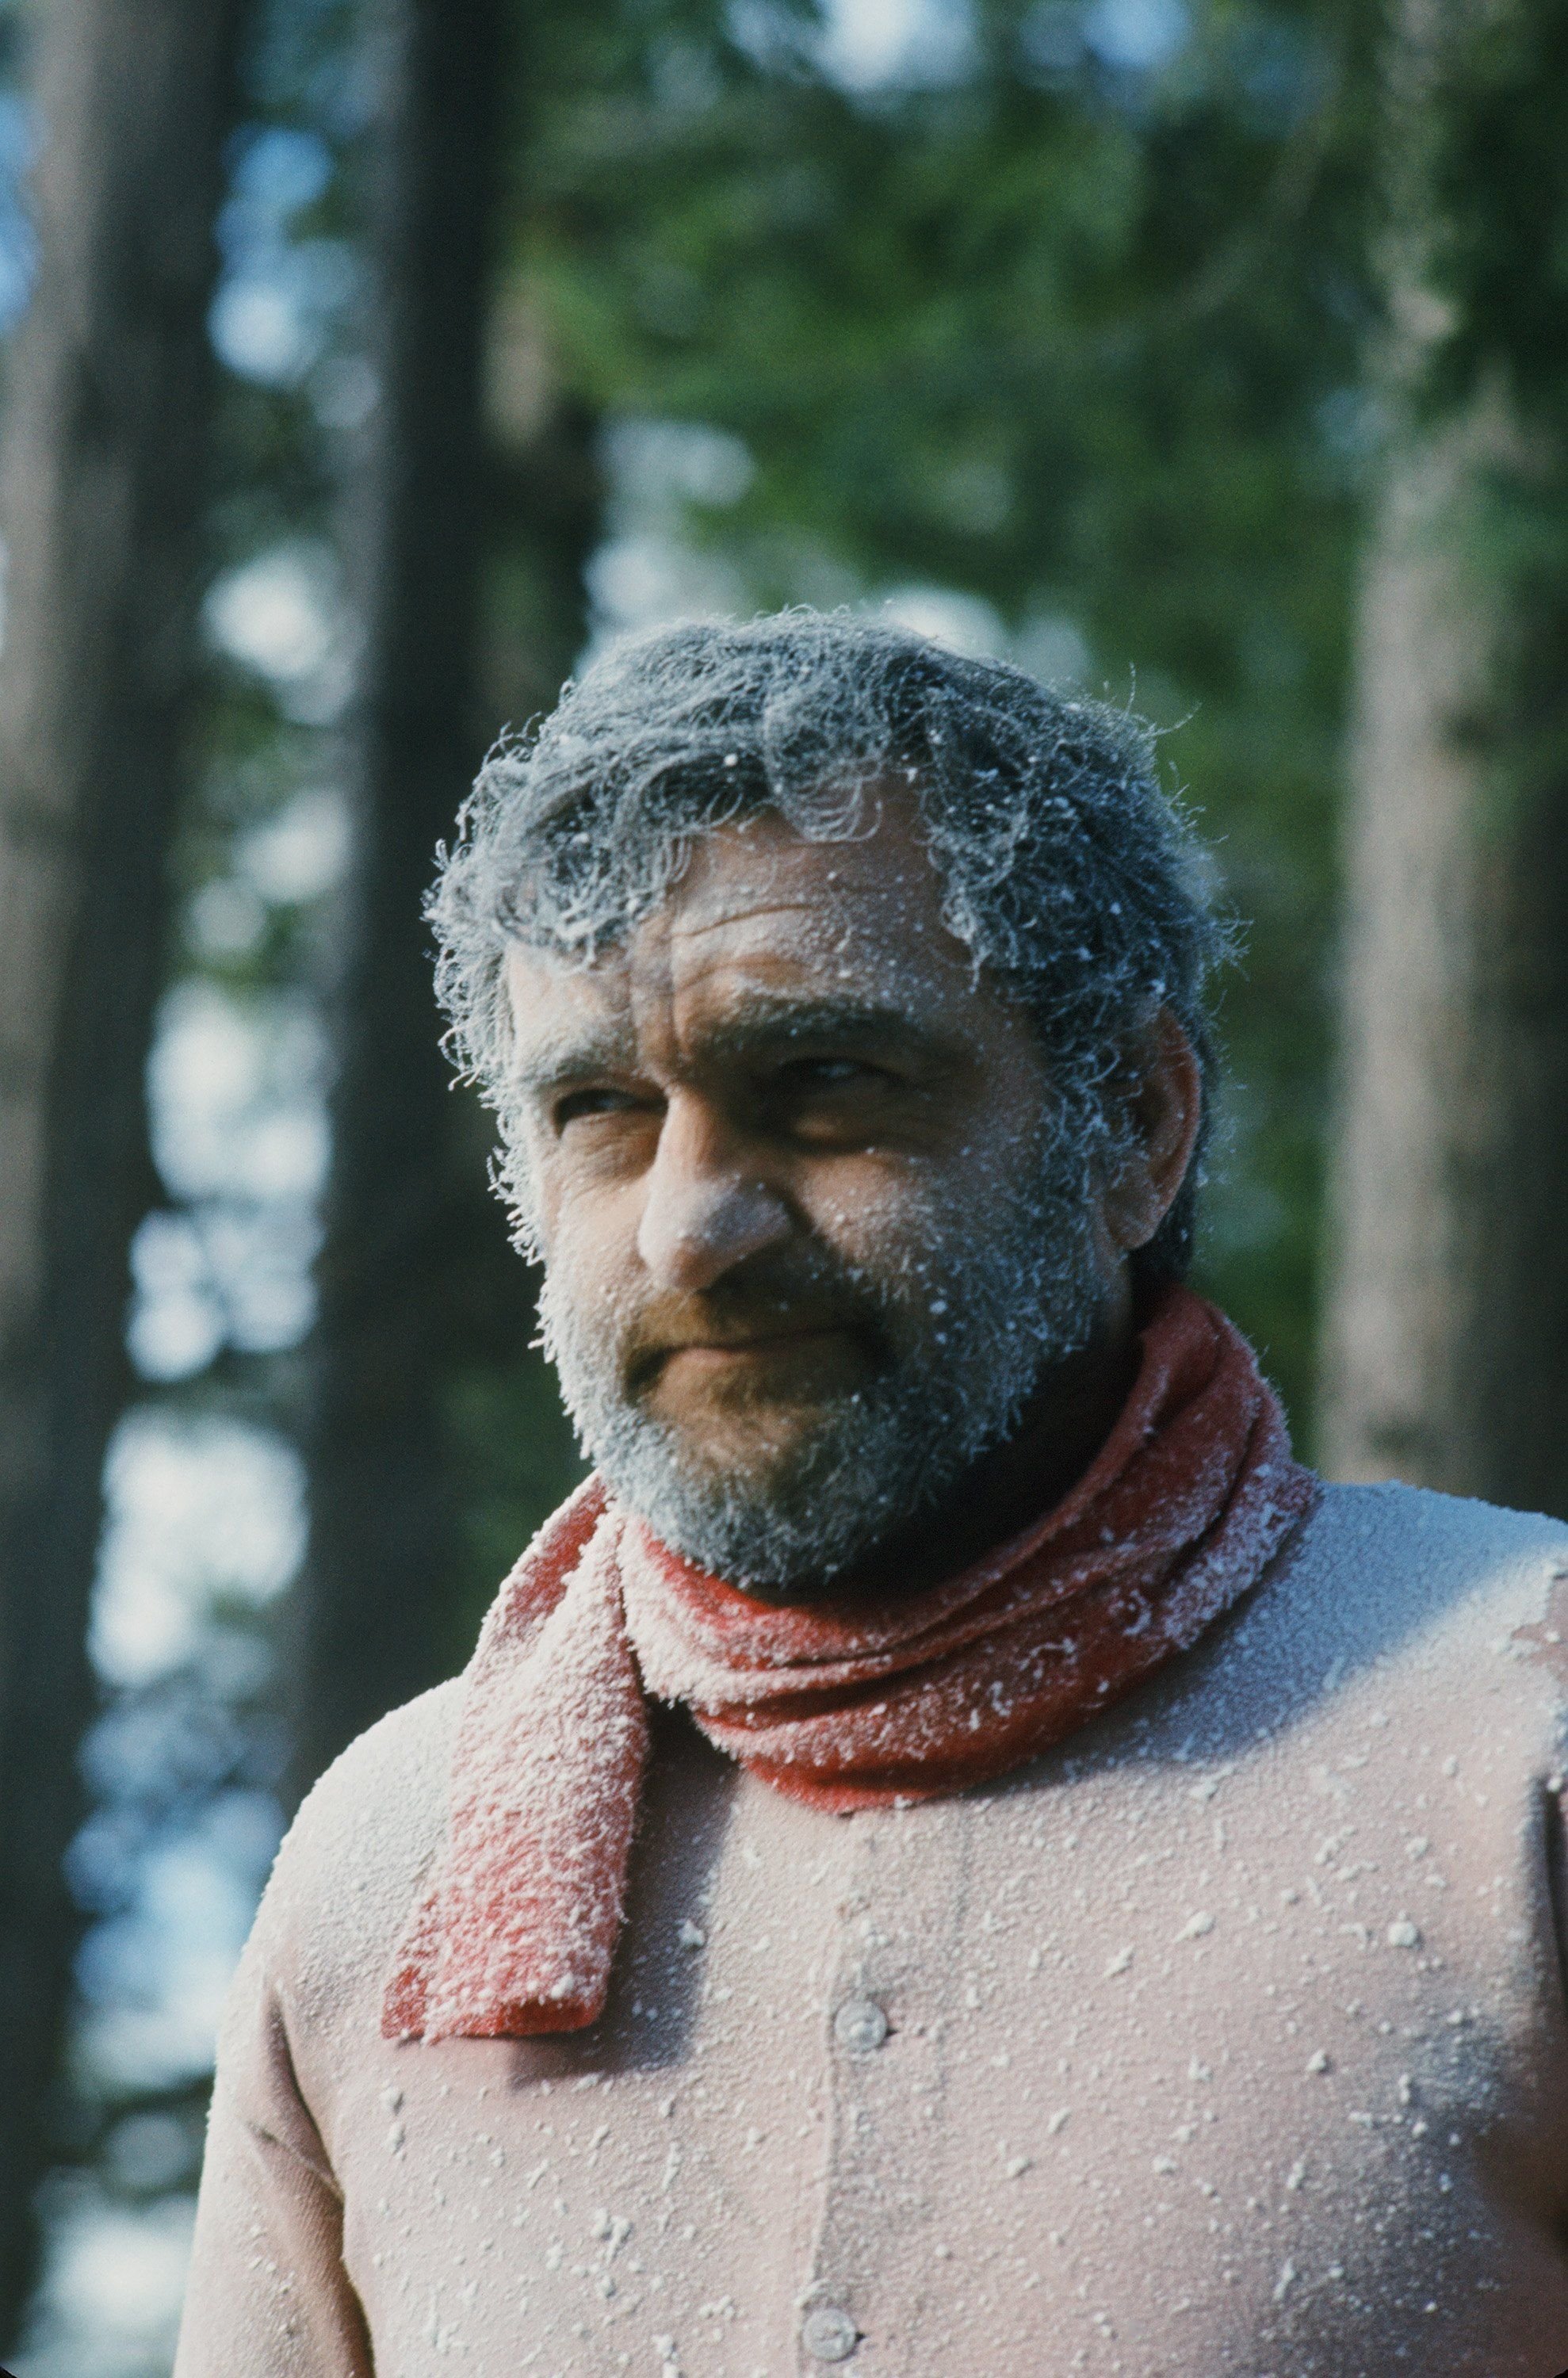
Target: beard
x,y
955,1326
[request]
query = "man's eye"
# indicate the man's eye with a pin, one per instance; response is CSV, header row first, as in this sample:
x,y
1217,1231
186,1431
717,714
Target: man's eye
x,y
601,1101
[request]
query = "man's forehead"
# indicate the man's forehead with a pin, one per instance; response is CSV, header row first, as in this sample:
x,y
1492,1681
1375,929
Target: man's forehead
x,y
763,921
762,862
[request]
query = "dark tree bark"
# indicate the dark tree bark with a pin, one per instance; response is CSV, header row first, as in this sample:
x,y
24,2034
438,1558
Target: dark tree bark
x,y
1446,1352
416,1277
106,437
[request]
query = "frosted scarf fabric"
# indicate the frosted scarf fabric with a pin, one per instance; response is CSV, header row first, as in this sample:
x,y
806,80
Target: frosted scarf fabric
x,y
1188,1501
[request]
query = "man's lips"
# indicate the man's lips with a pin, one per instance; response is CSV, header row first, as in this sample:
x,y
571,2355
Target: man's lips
x,y
717,1354
764,1343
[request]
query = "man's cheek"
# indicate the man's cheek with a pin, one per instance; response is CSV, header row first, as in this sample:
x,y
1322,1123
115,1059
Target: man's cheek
x,y
877,1226
580,1244
586,1306
903,1233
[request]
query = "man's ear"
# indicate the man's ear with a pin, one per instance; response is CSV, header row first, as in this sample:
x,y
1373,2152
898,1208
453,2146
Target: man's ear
x,y
1163,1102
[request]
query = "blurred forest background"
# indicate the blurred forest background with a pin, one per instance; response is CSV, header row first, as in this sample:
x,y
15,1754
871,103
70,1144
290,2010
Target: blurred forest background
x,y
366,361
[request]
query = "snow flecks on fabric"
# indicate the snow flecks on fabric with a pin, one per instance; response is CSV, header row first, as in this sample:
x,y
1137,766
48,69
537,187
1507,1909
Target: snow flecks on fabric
x,y
1196,2057
508,1942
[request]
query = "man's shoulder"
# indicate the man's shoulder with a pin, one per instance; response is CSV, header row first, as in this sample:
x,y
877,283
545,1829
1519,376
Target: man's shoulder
x,y
1445,1551
379,1808
1404,1578
366,1835
1393,1609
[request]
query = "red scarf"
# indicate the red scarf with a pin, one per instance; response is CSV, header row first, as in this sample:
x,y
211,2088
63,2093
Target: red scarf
x,y
1190,1497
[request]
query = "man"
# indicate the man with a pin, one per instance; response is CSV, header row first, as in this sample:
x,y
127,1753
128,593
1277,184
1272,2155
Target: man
x,y
953,1854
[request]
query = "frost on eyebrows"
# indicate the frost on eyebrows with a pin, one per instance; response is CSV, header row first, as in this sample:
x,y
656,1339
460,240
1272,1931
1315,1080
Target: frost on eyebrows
x,y
1066,869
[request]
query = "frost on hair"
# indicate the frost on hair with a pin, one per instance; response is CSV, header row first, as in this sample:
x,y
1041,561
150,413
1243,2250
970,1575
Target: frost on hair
x,y
1066,869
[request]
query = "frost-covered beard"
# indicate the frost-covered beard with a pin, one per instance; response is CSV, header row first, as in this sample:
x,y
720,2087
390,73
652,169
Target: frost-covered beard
x,y
965,1323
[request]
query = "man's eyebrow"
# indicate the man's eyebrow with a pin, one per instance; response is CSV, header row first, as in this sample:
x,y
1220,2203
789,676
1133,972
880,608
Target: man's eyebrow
x,y
764,1015
758,1019
763,1026
548,1057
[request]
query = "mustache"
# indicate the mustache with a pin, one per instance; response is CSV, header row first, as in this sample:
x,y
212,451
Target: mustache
x,y
770,1298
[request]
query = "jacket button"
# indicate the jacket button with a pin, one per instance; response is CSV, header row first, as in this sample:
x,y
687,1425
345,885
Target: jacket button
x,y
860,2025
828,2334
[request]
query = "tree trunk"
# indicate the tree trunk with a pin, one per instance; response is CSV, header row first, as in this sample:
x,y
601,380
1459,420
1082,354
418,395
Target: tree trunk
x,y
416,1277
1446,1334
101,486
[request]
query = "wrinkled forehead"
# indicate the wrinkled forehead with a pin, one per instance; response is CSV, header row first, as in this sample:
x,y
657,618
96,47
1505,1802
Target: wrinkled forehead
x,y
760,878
762,916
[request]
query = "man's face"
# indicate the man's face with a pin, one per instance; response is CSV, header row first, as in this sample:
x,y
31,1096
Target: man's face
x,y
809,1243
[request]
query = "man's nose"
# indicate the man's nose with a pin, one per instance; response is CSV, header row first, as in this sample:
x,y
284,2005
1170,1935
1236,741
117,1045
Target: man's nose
x,y
705,1208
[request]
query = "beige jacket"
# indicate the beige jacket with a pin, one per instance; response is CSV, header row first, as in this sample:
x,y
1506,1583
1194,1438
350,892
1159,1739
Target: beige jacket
x,y
1229,2043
